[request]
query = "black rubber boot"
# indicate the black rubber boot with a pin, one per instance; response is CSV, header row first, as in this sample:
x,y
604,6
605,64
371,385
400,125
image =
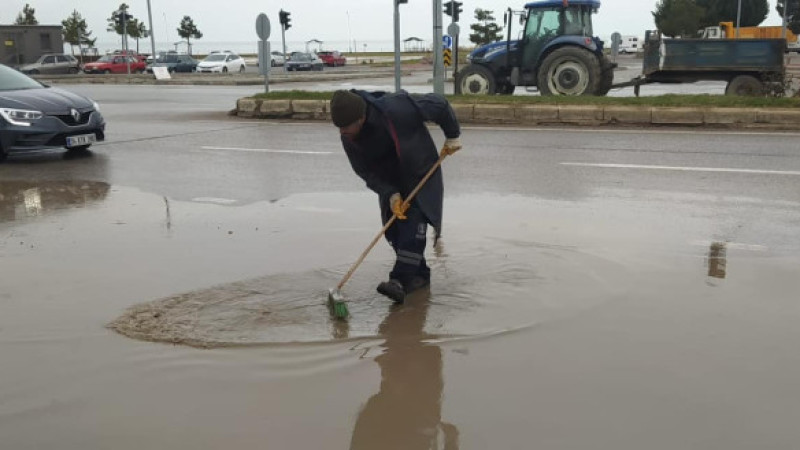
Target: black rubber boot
x,y
393,289
417,283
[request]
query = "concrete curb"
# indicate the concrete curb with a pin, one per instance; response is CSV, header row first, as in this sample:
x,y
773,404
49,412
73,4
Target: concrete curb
x,y
783,119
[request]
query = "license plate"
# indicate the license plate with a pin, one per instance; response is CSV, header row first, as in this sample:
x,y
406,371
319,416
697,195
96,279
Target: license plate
x,y
83,139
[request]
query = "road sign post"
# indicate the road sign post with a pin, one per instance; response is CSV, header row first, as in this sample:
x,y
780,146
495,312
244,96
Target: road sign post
x,y
454,30
264,55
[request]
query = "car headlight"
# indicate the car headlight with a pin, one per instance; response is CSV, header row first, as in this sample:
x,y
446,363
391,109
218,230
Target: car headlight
x,y
20,117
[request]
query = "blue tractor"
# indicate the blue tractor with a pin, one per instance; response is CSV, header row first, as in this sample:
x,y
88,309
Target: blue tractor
x,y
556,53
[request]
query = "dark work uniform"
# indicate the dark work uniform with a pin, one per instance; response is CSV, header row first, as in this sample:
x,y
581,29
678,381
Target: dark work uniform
x,y
392,153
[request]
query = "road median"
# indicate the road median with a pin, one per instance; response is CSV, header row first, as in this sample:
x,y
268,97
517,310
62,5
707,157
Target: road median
x,y
544,114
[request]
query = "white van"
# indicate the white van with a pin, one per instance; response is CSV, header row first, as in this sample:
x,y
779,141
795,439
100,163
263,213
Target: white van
x,y
630,44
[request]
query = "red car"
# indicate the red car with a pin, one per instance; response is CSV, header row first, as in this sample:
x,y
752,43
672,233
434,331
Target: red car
x,y
115,64
332,58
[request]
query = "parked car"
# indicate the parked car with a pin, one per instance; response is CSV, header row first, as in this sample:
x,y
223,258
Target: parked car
x,y
50,64
115,64
174,63
277,59
222,62
332,58
34,116
304,61
136,55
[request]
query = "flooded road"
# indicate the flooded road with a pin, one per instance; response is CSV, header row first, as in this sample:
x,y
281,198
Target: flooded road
x,y
591,292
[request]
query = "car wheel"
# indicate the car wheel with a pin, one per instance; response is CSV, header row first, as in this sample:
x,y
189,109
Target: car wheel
x,y
72,70
107,71
241,69
224,70
34,72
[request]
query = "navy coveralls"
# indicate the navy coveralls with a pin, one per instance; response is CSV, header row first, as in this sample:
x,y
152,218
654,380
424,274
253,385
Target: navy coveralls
x,y
392,152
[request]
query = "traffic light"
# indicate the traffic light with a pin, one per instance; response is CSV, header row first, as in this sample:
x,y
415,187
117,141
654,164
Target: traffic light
x,y
285,20
448,8
456,10
122,17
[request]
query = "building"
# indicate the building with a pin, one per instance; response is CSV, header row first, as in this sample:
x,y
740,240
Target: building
x,y
24,44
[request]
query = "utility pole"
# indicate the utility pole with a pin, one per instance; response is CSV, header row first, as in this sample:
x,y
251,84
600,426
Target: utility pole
x,y
397,73
438,61
152,38
738,19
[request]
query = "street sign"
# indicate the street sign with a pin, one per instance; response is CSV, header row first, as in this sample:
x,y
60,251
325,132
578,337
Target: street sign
x,y
453,29
262,27
447,41
448,58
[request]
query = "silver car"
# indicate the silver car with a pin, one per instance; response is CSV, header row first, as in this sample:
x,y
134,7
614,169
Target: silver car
x,y
52,64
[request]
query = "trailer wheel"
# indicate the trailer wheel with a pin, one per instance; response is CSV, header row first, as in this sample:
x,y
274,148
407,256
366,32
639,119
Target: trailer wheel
x,y
746,86
476,80
569,71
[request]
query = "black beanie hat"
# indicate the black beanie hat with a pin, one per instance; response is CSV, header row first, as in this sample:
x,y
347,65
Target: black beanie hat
x,y
346,108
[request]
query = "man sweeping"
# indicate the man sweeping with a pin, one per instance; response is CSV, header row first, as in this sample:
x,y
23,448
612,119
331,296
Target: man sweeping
x,y
390,148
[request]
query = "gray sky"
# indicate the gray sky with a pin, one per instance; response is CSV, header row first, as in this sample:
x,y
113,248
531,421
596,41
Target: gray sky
x,y
327,20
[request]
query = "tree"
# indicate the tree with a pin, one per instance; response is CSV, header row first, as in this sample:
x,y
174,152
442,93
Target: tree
x,y
793,15
138,30
188,30
678,17
753,12
486,31
114,27
26,17
76,33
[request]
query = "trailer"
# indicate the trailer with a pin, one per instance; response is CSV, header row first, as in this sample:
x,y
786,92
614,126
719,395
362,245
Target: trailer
x,y
750,66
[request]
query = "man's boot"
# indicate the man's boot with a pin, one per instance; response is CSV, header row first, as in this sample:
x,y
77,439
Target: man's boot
x,y
393,289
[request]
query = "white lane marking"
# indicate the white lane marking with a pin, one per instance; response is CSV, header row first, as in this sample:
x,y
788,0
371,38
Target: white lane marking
x,y
219,201
266,150
648,131
683,169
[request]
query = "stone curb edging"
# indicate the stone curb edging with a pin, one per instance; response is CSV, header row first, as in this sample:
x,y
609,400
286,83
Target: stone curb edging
x,y
783,118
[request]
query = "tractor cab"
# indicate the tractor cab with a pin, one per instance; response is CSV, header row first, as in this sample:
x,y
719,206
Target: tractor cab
x,y
549,27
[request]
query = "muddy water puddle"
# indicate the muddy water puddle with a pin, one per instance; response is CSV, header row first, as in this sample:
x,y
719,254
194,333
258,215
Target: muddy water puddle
x,y
551,322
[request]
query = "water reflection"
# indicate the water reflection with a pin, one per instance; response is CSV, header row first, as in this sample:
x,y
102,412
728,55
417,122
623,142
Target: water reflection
x,y
406,412
717,260
21,199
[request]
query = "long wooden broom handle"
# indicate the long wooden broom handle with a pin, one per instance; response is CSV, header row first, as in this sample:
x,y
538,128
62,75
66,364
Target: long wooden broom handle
x,y
391,220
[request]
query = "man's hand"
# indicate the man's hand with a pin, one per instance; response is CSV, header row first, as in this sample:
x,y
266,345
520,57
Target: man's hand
x,y
398,207
451,146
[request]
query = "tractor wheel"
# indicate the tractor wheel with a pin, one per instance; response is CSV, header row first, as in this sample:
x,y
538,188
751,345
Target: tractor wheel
x,y
745,85
569,71
606,79
476,80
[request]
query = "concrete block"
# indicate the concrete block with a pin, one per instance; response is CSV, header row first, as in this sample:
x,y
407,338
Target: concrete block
x,y
536,114
246,107
776,116
464,112
275,109
729,116
678,116
580,114
494,114
627,114
310,109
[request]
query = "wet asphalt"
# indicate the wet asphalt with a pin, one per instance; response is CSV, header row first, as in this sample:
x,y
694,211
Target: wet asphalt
x,y
596,289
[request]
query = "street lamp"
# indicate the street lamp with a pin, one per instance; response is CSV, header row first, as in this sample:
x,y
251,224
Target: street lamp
x,y
738,19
